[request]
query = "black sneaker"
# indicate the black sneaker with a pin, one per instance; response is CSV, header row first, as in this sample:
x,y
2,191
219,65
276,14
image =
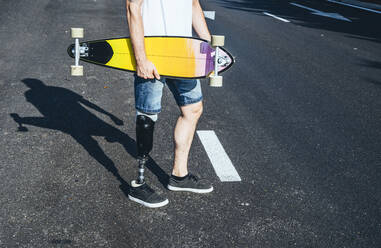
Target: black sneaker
x,y
145,195
190,183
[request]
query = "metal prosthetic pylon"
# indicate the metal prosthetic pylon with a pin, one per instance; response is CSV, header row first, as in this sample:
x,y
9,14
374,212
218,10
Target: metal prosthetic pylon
x,y
142,162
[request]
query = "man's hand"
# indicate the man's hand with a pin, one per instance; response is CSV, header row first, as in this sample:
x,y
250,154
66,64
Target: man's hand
x,y
147,70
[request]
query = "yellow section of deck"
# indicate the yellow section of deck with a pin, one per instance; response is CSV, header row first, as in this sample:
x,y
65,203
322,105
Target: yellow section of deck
x,y
174,56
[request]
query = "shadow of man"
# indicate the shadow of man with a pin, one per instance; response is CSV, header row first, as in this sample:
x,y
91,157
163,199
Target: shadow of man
x,y
62,110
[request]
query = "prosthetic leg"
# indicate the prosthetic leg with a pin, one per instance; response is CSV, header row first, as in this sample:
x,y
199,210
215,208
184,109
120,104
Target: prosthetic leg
x,y
144,139
140,192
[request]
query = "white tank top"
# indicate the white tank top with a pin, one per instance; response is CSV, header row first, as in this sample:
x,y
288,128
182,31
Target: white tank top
x,y
167,17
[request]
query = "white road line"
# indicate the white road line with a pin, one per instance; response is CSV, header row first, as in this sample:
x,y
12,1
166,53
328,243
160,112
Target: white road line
x,y
322,13
305,7
210,14
276,17
355,6
220,160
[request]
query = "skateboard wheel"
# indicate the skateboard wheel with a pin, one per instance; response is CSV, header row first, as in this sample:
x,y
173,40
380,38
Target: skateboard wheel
x,y
215,81
218,40
77,33
77,70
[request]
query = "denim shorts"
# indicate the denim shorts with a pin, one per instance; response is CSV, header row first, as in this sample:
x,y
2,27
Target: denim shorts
x,y
148,92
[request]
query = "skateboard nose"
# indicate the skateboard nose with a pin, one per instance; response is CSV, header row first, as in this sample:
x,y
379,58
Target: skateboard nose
x,y
71,51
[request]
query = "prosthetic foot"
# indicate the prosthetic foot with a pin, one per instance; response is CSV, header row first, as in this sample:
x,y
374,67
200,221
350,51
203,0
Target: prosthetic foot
x,y
140,192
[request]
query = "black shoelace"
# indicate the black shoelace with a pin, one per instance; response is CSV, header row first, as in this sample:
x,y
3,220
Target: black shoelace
x,y
147,189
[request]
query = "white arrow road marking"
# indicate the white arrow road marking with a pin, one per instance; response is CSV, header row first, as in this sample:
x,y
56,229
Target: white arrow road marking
x,y
210,14
220,160
276,17
321,13
355,6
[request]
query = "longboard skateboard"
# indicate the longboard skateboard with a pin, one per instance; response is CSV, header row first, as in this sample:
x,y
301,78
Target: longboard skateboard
x,y
174,57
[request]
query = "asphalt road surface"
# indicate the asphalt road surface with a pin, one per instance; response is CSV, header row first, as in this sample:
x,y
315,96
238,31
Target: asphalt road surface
x,y
299,117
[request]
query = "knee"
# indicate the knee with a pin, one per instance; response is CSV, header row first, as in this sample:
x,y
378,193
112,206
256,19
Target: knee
x,y
198,111
144,122
193,112
153,117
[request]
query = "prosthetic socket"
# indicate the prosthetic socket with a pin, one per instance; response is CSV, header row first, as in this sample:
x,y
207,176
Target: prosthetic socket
x,y
144,139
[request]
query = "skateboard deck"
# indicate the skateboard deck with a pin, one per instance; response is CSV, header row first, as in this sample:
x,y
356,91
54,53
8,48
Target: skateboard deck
x,y
177,57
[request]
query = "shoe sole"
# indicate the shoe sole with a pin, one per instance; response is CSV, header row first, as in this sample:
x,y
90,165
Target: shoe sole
x,y
147,204
201,191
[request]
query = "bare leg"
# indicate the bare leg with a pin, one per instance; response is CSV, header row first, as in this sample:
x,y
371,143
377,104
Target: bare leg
x,y
183,136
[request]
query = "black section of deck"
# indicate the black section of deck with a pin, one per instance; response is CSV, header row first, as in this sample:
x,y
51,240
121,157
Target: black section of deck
x,y
100,52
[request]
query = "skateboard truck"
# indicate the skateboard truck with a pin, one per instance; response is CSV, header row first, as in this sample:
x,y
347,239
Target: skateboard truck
x,y
77,70
215,80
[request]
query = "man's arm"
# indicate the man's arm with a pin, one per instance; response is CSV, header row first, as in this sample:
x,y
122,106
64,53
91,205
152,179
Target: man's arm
x,y
198,21
144,67
89,104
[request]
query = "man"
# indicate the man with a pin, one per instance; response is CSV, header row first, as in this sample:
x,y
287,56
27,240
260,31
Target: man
x,y
165,18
